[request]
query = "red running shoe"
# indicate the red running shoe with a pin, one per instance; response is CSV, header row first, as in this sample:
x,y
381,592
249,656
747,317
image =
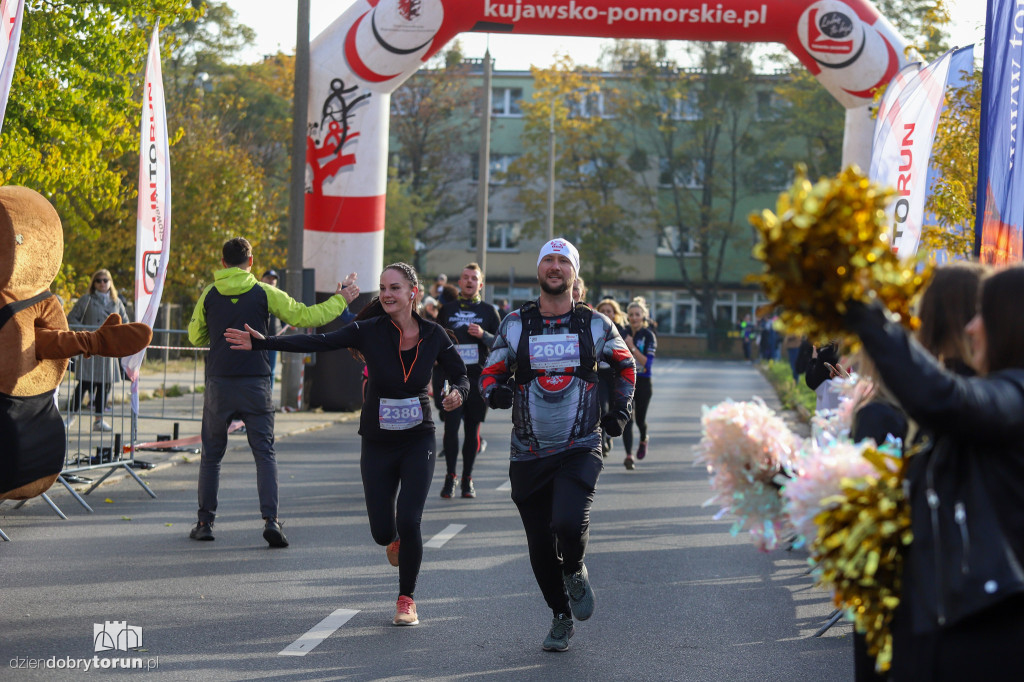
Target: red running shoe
x,y
405,612
392,552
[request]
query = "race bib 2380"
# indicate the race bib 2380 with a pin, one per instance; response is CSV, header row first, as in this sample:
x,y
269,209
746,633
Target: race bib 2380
x,y
398,414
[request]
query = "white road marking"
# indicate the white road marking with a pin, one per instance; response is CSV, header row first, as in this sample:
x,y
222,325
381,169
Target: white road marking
x,y
321,631
444,536
507,485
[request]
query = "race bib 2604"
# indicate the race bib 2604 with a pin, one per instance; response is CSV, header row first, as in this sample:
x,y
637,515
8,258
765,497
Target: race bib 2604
x,y
554,351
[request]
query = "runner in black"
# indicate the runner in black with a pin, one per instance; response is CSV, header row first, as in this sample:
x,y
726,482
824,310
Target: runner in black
x,y
605,374
544,366
642,344
474,324
397,459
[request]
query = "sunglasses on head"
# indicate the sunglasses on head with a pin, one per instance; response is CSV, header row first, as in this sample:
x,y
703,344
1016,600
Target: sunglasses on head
x,y
101,280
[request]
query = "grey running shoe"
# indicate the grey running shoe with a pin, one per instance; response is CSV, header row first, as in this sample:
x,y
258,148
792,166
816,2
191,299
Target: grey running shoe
x,y
581,596
629,462
202,531
273,534
561,631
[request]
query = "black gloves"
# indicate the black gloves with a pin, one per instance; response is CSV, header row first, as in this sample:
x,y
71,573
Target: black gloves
x,y
500,398
614,422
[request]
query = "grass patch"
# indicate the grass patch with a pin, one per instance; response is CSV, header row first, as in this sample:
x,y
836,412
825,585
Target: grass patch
x,y
780,376
174,391
179,366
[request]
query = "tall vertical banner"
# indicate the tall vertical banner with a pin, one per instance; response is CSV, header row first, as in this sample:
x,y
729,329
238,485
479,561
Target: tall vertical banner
x,y
11,14
153,225
904,135
999,219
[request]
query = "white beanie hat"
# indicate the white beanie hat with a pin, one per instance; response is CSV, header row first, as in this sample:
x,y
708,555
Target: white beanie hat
x,y
562,247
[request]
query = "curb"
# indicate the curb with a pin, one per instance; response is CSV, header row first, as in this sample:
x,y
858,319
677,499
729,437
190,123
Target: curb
x,y
182,457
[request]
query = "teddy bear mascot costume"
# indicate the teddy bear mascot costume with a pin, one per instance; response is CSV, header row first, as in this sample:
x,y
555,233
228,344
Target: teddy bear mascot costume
x,y
35,344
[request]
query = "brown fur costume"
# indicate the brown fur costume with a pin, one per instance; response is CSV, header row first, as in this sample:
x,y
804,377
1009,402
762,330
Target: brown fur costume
x,y
35,344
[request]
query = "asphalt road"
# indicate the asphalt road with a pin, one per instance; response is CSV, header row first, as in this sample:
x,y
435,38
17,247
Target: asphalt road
x,y
677,597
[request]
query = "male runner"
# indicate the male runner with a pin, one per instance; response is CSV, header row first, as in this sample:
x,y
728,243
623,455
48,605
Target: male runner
x,y
544,366
474,324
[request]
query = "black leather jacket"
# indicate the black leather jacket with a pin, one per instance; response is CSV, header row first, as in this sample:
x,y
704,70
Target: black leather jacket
x,y
965,485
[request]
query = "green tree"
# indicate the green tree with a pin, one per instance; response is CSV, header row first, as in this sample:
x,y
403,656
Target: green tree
x,y
434,131
597,193
74,113
922,23
699,123
955,155
405,218
805,125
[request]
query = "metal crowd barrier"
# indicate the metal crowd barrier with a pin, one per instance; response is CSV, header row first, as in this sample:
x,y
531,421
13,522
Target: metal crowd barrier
x,y
102,442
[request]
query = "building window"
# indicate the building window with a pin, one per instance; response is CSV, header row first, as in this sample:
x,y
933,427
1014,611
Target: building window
x,y
687,173
502,235
506,101
499,168
682,107
590,105
765,104
671,242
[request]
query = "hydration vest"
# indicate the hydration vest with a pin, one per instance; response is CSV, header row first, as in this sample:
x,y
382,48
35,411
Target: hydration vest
x,y
533,325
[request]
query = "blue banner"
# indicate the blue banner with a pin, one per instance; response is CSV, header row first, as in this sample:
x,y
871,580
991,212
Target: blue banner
x,y
1000,192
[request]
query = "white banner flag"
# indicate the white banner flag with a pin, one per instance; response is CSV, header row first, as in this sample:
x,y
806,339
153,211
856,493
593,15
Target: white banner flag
x,y
11,14
153,225
902,148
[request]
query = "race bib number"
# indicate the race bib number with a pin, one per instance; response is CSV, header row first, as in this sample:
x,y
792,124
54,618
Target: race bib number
x,y
469,352
398,414
554,351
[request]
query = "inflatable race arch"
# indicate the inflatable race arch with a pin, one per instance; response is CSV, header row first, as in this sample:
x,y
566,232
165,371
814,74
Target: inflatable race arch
x,y
371,49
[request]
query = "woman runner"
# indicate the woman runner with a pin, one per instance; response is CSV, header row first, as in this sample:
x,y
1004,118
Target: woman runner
x,y
642,344
605,374
399,446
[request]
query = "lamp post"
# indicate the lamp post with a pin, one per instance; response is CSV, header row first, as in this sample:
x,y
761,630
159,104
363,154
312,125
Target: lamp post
x,y
291,371
551,161
551,174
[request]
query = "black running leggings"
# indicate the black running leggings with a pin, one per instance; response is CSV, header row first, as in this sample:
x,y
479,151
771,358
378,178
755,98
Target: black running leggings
x,y
396,479
470,446
641,401
554,495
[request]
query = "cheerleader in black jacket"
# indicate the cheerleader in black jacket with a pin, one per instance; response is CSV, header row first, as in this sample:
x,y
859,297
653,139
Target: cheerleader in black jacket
x,y
399,446
961,615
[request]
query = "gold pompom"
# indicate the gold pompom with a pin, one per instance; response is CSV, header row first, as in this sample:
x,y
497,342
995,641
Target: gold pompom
x,y
826,244
859,553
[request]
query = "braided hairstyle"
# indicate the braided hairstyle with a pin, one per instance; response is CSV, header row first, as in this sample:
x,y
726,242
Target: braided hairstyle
x,y
374,308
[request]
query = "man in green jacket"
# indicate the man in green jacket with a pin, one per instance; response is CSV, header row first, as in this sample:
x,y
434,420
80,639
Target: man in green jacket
x,y
238,383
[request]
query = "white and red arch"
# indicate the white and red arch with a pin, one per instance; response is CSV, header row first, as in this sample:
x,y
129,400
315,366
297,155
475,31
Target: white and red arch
x,y
376,45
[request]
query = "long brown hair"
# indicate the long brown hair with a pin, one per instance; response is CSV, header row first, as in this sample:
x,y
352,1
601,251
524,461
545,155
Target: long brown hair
x,y
374,307
1002,312
948,304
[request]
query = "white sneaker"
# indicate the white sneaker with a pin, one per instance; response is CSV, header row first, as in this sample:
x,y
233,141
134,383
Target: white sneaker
x,y
100,425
